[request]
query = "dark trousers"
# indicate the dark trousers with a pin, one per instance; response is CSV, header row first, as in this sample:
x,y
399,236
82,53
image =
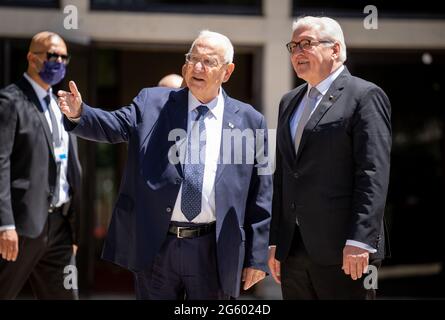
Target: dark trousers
x,y
302,278
184,268
42,261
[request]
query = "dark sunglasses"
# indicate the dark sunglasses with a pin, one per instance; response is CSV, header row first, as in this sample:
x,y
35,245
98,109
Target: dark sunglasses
x,y
53,57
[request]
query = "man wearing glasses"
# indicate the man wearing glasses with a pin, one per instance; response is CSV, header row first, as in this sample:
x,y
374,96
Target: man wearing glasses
x,y
332,172
39,179
187,222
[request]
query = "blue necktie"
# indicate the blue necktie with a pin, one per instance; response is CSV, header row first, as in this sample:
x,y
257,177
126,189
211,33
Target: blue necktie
x,y
194,169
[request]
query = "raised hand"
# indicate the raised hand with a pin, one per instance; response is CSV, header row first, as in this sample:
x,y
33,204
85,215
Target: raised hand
x,y
70,103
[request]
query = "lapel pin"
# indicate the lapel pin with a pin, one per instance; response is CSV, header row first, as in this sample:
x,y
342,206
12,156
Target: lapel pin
x,y
231,126
331,97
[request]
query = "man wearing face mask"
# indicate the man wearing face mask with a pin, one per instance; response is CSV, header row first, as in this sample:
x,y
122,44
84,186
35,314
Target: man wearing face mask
x,y
39,179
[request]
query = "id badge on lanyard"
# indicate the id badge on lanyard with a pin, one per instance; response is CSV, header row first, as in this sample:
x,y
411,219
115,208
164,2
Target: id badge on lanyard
x,y
60,154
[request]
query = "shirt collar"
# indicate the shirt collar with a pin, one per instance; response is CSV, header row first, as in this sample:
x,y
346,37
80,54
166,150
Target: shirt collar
x,y
324,86
216,106
40,92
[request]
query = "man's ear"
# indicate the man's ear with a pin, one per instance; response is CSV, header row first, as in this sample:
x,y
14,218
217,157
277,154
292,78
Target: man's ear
x,y
184,70
183,73
228,72
30,58
336,51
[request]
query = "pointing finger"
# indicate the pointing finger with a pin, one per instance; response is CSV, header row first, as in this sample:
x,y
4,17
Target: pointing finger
x,y
73,89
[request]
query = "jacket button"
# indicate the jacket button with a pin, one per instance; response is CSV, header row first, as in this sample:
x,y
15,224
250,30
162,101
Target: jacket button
x,y
296,175
168,209
178,180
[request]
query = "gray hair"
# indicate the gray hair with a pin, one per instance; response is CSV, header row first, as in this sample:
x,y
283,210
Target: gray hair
x,y
220,38
327,28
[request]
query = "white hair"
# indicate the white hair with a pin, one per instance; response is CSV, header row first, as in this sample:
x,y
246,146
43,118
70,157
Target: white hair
x,y
221,39
327,28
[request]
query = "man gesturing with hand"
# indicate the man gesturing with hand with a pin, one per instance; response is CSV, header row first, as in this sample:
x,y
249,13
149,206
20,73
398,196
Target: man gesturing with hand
x,y
70,103
195,226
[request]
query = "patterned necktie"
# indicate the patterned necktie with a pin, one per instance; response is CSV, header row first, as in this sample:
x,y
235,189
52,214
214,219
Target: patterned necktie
x,y
57,143
194,169
308,108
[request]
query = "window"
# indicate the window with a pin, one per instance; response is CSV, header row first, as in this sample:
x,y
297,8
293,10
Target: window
x,y
354,8
31,3
244,7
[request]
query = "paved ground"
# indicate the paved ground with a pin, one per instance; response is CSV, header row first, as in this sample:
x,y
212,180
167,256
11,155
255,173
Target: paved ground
x,y
400,282
430,287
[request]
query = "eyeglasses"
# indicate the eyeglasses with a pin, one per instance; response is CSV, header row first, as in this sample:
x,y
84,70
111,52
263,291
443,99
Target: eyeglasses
x,y
304,44
207,62
53,57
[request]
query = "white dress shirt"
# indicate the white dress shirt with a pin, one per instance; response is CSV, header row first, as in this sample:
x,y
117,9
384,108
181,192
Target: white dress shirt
x,y
213,123
322,87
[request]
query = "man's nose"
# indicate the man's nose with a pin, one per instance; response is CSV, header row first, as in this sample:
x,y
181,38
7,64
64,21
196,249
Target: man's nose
x,y
199,67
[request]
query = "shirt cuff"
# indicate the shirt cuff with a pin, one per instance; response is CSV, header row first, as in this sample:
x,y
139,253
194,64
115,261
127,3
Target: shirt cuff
x,y
74,120
361,245
7,227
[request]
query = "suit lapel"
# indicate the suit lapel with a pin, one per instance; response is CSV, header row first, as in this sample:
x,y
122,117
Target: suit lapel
x,y
286,143
230,121
29,92
177,118
328,100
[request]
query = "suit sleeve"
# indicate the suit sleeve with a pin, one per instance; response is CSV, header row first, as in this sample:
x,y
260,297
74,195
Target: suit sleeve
x,y
258,211
76,185
371,134
105,126
8,123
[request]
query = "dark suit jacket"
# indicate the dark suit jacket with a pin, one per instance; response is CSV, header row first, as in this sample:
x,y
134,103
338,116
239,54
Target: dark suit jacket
x,y
150,184
27,164
337,183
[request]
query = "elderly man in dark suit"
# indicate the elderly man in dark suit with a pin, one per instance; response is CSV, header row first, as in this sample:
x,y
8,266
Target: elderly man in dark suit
x,y
39,179
332,171
187,229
